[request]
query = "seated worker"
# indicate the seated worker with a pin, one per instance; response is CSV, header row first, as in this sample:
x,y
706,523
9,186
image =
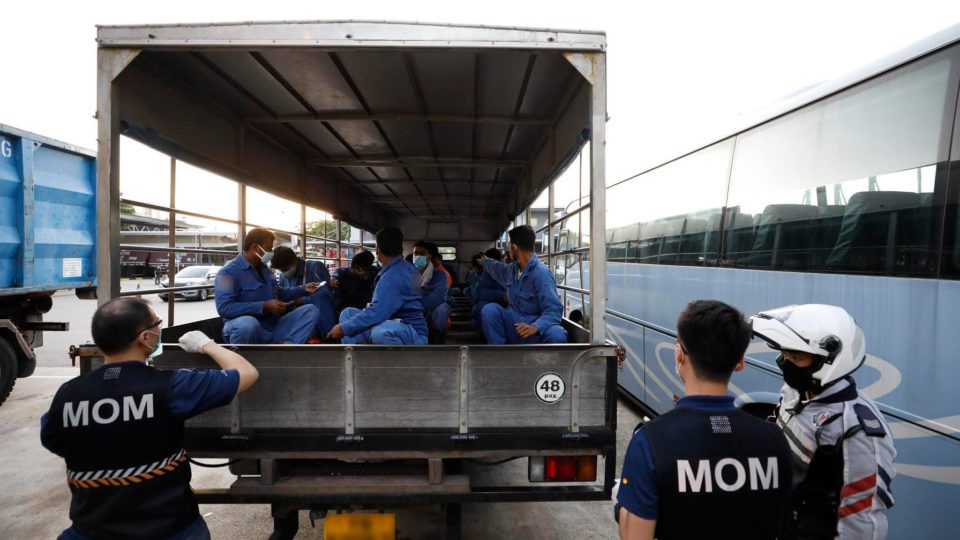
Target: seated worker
x,y
473,275
395,315
353,286
296,271
534,311
247,298
434,284
486,291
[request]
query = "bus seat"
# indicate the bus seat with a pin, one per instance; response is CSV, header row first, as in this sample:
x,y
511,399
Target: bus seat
x,y
649,245
711,238
671,234
874,224
692,241
828,228
740,231
785,236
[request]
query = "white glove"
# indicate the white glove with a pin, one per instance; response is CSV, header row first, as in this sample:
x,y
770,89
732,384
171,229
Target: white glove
x,y
194,341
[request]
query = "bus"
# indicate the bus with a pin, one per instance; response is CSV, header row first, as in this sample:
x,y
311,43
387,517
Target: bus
x,y
847,195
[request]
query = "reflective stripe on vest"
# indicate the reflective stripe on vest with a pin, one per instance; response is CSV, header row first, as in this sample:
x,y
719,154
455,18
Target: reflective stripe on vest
x,y
125,477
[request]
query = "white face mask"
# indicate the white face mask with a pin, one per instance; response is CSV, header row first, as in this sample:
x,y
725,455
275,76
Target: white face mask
x,y
266,256
157,348
291,272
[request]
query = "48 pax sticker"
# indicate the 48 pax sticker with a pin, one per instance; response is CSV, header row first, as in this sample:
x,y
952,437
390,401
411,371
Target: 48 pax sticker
x,y
550,387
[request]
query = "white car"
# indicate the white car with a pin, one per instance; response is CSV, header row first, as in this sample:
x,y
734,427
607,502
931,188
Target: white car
x,y
192,276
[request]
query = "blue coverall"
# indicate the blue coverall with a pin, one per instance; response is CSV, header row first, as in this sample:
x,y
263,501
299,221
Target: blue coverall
x,y
316,272
353,291
486,291
533,300
394,316
434,298
241,290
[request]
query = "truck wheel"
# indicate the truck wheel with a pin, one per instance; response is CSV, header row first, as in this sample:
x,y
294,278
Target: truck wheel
x,y
204,294
8,369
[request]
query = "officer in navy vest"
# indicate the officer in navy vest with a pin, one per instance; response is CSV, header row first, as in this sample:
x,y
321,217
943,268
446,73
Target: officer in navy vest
x,y
705,469
120,428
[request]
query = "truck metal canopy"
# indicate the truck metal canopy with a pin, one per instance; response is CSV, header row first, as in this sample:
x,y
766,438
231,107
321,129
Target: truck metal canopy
x,y
370,121
441,130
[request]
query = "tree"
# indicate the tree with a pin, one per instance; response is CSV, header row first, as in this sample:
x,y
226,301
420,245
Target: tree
x,y
327,228
127,208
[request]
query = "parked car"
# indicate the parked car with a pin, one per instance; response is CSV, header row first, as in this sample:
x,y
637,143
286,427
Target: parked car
x,y
189,277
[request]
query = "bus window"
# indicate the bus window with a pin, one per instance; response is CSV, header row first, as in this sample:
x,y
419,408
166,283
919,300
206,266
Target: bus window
x,y
671,215
847,184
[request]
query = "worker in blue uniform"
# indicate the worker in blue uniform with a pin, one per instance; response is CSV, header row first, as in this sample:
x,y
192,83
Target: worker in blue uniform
x,y
395,316
705,469
296,271
534,311
353,286
434,284
255,309
473,275
486,290
119,428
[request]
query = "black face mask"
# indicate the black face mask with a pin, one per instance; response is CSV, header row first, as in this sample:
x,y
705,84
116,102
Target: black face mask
x,y
798,378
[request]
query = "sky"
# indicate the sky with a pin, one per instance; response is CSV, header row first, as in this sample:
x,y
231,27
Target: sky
x,y
680,73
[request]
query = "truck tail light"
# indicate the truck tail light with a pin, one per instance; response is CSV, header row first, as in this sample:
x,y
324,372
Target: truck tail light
x,y
563,469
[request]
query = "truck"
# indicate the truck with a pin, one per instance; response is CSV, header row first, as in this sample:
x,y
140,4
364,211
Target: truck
x,y
48,241
449,133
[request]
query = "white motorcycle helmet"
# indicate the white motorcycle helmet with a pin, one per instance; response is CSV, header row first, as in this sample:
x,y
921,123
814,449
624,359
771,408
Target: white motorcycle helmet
x,y
828,333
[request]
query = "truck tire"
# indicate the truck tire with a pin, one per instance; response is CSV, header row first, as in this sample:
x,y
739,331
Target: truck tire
x,y
8,369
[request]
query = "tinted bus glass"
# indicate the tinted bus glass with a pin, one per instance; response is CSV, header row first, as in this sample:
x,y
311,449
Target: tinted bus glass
x,y
847,184
671,215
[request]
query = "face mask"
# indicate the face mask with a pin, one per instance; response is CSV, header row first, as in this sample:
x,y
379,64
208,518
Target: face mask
x,y
157,347
267,255
676,369
798,378
290,273
420,261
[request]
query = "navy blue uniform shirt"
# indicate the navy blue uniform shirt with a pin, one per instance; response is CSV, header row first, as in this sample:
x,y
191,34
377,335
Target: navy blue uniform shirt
x,y
638,482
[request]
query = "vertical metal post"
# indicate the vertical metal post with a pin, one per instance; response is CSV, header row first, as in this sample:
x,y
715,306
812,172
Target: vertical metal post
x,y
110,62
583,298
598,201
171,240
303,231
550,213
241,215
339,244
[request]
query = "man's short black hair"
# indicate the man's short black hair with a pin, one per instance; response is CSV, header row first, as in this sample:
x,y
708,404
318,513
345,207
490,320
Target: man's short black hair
x,y
390,241
432,249
362,260
715,337
476,257
117,323
494,253
523,237
257,235
283,257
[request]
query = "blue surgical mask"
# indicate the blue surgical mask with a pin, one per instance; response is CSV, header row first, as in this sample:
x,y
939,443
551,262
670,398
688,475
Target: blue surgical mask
x,y
267,255
420,261
289,274
157,348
